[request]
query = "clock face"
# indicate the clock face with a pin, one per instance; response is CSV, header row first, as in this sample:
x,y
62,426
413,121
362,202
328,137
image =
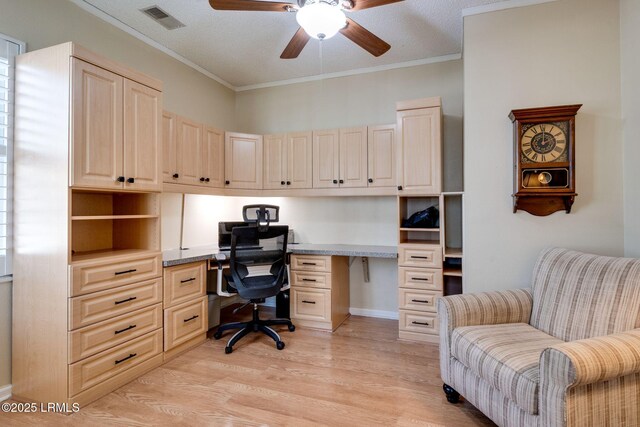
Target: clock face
x,y
544,142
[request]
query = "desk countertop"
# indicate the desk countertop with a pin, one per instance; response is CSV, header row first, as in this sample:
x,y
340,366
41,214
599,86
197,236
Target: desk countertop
x,y
202,253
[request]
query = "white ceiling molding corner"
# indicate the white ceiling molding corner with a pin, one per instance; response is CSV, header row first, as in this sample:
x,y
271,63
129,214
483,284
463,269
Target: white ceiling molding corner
x,y
507,4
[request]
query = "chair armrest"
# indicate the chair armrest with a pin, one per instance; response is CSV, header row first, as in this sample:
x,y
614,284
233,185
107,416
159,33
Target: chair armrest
x,y
592,360
487,308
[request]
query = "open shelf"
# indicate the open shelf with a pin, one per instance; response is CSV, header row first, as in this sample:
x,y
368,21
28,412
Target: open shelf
x,y
104,253
113,205
409,205
450,271
453,252
431,230
98,217
418,242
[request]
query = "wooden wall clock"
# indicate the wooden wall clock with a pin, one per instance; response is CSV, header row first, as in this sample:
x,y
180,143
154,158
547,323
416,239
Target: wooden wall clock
x,y
544,159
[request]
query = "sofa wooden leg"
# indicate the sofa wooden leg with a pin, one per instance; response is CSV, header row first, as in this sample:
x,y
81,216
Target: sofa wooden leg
x,y
452,395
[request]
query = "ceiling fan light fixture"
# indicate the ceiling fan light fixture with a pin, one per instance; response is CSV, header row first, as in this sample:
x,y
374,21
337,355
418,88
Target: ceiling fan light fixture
x,y
321,20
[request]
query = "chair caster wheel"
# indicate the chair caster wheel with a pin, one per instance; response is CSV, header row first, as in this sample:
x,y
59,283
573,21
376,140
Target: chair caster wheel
x,y
292,328
228,350
280,345
217,335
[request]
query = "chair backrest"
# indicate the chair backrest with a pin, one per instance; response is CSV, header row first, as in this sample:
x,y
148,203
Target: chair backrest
x,y
578,295
240,260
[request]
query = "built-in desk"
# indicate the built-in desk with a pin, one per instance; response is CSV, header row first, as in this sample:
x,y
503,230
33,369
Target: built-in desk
x,y
319,277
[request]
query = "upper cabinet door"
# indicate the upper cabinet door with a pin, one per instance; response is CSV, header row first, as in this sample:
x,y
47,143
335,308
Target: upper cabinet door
x,y
213,157
299,160
419,151
326,158
275,161
96,127
169,147
142,130
382,156
353,157
189,151
243,160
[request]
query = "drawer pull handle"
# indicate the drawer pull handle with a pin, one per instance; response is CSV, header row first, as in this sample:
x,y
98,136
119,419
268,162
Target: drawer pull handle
x,y
420,323
125,300
309,280
133,270
125,329
309,263
130,356
191,318
308,302
191,279
421,278
419,257
421,301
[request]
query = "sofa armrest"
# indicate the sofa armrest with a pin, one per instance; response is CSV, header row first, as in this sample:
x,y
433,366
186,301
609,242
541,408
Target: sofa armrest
x,y
487,308
592,360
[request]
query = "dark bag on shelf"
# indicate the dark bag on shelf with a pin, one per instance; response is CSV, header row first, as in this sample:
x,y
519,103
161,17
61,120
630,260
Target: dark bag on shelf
x,y
427,218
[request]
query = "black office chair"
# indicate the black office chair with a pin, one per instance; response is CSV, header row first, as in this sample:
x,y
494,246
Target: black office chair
x,y
257,288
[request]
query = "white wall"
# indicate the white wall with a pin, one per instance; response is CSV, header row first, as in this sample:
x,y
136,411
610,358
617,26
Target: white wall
x,y
630,67
563,52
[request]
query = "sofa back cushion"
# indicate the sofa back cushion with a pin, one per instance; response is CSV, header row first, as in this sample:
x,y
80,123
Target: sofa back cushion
x,y
578,295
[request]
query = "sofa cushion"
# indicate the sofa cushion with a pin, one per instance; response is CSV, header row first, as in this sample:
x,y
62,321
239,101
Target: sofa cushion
x,y
578,295
507,356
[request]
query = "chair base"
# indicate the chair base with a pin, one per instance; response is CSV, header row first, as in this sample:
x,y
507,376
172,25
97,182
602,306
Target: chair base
x,y
254,325
452,395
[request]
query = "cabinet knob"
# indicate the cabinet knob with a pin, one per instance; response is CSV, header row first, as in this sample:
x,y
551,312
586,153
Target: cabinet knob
x,y
202,179
131,180
335,181
120,179
281,182
207,180
342,181
176,176
288,182
370,180
400,187
227,182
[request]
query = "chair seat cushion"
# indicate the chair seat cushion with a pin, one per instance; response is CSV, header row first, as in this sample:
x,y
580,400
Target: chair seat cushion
x,y
507,356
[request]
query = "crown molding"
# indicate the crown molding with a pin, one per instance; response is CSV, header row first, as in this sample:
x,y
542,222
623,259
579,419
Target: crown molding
x,y
135,33
444,58
507,4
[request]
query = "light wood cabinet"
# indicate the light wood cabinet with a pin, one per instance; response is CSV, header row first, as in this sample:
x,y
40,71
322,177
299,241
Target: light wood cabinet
x,y
287,161
353,157
243,161
326,158
169,147
189,147
212,157
319,291
420,147
116,130
87,279
382,156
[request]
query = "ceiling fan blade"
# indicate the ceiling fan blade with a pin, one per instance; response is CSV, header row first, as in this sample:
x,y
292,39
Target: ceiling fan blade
x,y
295,46
251,5
367,4
365,38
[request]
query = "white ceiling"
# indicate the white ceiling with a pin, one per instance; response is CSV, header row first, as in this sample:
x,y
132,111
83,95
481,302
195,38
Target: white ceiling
x,y
243,48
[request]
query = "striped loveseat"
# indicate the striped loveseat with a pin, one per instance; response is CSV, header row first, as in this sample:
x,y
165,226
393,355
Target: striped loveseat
x,y
564,353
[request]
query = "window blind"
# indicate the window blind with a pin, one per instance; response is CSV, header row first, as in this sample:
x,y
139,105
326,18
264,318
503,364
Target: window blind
x,y
8,51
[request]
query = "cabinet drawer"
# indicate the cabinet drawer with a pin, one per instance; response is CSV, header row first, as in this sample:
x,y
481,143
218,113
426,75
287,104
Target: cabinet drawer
x,y
311,304
93,339
100,367
412,321
87,277
184,322
420,278
311,263
418,300
311,280
184,283
420,256
93,308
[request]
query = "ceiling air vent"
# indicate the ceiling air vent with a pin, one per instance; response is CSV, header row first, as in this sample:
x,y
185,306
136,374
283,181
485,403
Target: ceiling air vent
x,y
162,17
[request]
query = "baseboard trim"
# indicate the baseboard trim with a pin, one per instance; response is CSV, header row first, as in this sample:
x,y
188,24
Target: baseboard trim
x,y
5,392
380,314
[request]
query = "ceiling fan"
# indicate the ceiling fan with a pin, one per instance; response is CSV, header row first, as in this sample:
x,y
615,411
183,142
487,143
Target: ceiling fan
x,y
320,19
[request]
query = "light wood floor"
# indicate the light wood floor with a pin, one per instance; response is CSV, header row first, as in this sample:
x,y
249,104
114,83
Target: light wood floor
x,y
361,375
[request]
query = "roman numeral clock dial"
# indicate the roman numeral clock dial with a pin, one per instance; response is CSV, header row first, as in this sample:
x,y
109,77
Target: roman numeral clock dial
x,y
544,165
